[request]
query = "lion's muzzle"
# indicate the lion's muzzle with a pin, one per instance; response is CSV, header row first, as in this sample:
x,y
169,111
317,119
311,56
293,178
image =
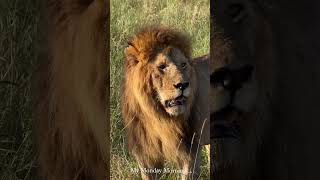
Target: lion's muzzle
x,y
179,101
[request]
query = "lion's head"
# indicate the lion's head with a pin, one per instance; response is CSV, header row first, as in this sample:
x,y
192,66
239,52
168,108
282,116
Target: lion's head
x,y
242,85
159,108
160,65
270,128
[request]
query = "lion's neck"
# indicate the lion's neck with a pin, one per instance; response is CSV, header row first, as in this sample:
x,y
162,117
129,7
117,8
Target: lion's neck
x,y
171,132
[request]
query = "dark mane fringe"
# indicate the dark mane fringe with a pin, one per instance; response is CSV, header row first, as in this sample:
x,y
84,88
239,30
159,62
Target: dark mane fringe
x,y
152,39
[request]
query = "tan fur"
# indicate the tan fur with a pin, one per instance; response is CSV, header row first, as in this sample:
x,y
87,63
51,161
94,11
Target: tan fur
x,y
154,132
71,117
279,133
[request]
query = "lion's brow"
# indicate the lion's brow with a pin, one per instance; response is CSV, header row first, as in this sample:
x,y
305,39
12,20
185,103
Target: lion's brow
x,y
131,44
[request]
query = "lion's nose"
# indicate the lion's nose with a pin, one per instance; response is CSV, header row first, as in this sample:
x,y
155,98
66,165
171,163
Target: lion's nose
x,y
182,86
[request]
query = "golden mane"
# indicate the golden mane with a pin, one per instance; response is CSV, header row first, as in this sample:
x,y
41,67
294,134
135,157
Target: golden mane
x,y
151,131
138,102
150,40
71,92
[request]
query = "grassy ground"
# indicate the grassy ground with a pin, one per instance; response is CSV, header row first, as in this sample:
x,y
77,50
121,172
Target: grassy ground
x,y
18,56
191,16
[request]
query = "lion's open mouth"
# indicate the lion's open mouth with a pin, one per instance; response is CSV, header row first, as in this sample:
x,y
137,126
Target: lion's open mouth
x,y
179,101
225,124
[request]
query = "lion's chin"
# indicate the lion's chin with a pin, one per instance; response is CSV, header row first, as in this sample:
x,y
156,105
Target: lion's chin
x,y
176,110
176,106
226,138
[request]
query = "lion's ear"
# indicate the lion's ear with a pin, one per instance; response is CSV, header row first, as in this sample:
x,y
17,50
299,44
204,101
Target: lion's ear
x,y
131,53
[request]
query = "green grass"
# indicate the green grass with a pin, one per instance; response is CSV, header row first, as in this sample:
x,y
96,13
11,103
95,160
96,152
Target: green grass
x,y
190,16
18,56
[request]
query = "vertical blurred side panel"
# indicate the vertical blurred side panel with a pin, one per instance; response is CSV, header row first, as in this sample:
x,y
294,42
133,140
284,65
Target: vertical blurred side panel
x,y
71,90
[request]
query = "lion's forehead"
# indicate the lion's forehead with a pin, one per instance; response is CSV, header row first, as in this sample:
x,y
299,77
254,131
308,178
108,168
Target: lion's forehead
x,y
175,56
178,56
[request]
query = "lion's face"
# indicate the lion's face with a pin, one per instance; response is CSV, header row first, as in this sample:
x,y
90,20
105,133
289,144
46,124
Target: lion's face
x,y
173,81
158,60
241,83
275,138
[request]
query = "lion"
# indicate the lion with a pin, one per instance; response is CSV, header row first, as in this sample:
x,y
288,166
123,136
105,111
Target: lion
x,y
160,101
264,90
71,90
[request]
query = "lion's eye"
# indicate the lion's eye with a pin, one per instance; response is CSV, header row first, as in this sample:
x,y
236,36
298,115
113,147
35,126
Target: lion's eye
x,y
162,67
183,65
236,12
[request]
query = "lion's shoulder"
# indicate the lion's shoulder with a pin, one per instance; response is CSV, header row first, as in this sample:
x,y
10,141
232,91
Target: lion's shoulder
x,y
200,111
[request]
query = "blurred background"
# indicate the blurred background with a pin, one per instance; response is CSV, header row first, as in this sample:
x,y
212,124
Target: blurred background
x,y
19,49
190,16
